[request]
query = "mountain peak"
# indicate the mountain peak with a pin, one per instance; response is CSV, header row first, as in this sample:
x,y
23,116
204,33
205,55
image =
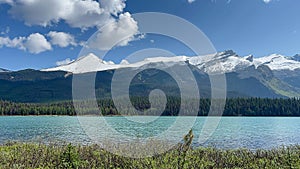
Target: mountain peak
x,y
124,62
225,62
278,62
92,58
249,58
228,53
296,57
3,70
84,64
89,57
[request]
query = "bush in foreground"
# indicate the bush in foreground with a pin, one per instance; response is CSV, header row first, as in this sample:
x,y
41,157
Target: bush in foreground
x,y
26,155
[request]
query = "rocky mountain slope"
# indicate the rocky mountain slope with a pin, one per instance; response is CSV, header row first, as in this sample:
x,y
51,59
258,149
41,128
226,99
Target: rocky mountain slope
x,y
246,76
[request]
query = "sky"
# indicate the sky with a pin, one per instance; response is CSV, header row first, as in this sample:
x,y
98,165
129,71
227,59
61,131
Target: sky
x,y
41,34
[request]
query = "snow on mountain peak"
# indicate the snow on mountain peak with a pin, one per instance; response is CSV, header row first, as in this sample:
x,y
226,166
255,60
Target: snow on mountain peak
x,y
166,59
109,62
223,62
3,70
124,62
228,53
84,64
89,58
249,58
278,62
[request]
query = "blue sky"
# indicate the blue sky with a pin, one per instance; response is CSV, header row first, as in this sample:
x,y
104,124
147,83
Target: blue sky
x,y
37,33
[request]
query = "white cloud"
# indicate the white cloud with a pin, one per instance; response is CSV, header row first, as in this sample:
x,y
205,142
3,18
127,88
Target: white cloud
x,y
83,14
6,1
191,1
39,12
61,39
124,29
64,62
113,6
12,43
37,43
77,13
267,1
4,41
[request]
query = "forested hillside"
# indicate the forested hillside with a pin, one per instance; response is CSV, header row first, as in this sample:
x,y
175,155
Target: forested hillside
x,y
234,107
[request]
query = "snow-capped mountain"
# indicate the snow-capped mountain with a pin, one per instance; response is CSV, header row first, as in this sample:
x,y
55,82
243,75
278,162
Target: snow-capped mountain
x,y
223,62
278,62
246,76
3,70
91,63
229,61
296,57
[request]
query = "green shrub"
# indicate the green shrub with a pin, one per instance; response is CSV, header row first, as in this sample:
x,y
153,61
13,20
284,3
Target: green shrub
x,y
26,155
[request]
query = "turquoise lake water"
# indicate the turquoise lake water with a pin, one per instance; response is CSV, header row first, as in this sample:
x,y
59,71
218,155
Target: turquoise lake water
x,y
232,132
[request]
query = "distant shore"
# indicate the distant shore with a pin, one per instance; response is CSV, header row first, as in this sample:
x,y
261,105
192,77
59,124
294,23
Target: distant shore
x,y
249,107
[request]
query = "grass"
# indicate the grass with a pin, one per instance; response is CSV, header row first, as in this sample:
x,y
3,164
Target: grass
x,y
288,91
26,155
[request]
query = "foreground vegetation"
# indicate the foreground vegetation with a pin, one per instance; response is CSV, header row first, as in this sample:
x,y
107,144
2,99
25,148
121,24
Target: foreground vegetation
x,y
18,155
233,107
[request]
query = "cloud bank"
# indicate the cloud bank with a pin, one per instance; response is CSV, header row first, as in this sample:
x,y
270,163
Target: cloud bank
x,y
62,39
123,29
37,43
83,14
12,43
77,13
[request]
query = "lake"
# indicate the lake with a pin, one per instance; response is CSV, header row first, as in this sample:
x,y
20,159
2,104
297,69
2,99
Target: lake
x,y
232,132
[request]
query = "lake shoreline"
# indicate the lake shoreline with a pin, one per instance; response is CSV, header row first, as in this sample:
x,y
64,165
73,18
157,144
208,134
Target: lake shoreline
x,y
233,107
128,116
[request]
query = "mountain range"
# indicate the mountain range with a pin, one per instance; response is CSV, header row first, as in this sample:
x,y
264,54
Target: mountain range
x,y
3,70
271,76
228,61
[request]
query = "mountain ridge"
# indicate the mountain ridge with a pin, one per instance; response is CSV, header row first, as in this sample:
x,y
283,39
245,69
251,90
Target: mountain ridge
x,y
222,62
246,76
4,70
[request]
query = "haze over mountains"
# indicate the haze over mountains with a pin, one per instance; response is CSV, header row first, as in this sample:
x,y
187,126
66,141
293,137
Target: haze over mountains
x,y
271,76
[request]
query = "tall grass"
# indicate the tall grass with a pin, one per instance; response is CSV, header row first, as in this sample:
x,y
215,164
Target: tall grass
x,y
26,155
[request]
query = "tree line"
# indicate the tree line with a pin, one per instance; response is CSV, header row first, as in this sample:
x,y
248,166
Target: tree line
x,y
233,107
